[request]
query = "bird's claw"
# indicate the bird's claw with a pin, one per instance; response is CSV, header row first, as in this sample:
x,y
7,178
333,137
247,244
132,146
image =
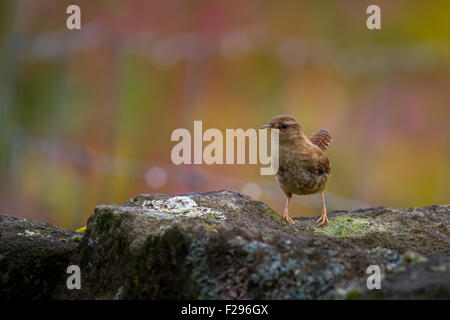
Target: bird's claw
x,y
323,220
288,219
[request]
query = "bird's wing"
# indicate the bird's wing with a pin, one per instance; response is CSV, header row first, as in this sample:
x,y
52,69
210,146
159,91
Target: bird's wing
x,y
319,167
321,138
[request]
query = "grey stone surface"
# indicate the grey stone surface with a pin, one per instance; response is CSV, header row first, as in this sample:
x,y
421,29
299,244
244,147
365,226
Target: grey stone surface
x,y
225,245
33,258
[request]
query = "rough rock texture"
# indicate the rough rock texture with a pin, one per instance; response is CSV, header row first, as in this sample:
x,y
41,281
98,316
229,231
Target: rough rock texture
x,y
224,245
33,258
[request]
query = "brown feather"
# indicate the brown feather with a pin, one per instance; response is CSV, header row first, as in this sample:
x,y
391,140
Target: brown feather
x,y
321,138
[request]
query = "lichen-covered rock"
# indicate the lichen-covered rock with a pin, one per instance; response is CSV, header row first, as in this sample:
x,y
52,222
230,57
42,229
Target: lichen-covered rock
x,y
225,245
34,257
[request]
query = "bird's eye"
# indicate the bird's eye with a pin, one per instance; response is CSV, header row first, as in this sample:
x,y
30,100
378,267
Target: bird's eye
x,y
284,126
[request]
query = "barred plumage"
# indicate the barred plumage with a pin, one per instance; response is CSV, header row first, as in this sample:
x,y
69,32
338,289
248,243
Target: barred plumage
x,y
321,138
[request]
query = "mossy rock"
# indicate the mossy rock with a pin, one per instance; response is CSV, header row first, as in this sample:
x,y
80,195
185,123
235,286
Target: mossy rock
x,y
347,227
225,245
33,259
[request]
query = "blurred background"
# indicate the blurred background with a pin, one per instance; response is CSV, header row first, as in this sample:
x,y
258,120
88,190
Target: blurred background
x,y
86,115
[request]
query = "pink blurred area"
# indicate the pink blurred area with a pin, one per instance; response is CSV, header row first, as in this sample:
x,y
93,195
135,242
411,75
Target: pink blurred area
x,y
87,114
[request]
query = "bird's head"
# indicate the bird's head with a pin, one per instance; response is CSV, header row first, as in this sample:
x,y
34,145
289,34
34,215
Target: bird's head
x,y
289,128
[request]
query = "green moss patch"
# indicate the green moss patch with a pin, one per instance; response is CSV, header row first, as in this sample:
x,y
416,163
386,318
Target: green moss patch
x,y
352,294
273,213
345,227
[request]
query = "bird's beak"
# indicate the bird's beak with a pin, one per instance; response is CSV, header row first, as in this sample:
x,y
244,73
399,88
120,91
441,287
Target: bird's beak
x,y
266,126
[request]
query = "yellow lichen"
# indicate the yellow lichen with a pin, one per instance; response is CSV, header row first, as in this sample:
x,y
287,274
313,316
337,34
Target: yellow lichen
x,y
208,227
81,230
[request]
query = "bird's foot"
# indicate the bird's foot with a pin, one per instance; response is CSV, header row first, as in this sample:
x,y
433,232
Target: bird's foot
x,y
323,220
288,219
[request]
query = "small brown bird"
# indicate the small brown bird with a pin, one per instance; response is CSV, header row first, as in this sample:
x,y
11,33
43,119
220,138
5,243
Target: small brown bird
x,y
303,166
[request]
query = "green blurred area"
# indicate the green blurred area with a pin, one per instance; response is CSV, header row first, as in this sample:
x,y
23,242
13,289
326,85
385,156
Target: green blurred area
x,y
86,115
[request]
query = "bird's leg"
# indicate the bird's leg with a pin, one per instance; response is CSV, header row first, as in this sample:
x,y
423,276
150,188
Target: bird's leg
x,y
286,213
323,220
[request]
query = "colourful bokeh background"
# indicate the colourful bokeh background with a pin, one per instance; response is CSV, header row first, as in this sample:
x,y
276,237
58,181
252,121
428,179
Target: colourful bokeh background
x,y
86,115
